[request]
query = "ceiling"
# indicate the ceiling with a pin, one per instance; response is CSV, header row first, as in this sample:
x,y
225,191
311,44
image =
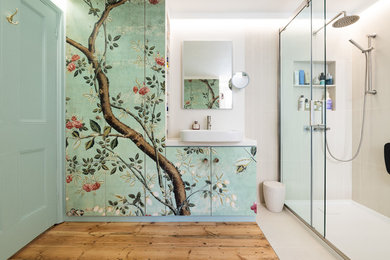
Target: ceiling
x,y
255,8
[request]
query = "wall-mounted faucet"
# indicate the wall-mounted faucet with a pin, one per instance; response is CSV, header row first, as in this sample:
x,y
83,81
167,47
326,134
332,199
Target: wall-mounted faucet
x,y
208,122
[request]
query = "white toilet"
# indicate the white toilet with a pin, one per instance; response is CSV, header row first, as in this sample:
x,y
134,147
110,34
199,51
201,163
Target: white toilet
x,y
274,193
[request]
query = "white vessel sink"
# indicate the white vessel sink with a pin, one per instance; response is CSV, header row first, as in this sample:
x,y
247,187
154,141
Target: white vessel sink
x,y
212,136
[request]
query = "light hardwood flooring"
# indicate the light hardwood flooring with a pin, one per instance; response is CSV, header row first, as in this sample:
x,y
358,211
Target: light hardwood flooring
x,y
186,240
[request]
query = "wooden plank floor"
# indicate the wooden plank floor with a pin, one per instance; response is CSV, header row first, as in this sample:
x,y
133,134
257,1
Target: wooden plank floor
x,y
187,240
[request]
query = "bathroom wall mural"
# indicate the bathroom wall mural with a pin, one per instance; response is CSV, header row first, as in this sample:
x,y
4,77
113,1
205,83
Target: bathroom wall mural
x,y
201,94
116,161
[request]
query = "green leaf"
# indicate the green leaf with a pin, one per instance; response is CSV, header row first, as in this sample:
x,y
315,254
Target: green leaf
x,y
114,143
106,131
104,167
95,126
117,37
240,168
89,144
76,134
253,150
109,37
113,171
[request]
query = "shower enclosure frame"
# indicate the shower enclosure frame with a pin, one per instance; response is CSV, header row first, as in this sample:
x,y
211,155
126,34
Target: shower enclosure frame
x,y
305,4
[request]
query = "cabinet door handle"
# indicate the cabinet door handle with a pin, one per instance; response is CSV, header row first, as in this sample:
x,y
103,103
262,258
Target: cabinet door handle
x,y
216,160
205,160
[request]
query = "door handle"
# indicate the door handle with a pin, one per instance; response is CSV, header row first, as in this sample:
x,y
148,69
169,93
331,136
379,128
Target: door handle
x,y
10,18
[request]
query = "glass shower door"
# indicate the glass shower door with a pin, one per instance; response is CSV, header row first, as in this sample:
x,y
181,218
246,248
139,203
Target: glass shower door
x,y
302,116
295,97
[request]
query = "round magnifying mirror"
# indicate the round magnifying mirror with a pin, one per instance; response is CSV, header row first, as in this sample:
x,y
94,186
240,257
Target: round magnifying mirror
x,y
240,79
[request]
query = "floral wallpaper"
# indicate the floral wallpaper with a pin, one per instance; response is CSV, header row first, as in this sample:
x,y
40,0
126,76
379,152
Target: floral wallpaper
x,y
115,111
201,94
116,160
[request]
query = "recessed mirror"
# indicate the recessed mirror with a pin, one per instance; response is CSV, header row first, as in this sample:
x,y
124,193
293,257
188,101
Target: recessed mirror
x,y
207,70
240,80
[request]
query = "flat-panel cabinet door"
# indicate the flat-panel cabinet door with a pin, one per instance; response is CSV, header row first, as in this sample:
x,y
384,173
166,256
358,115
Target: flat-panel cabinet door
x,y
194,166
233,180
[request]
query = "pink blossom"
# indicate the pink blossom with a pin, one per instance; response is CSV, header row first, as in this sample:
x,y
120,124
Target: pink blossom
x,y
160,61
75,57
135,89
71,67
188,102
69,125
143,91
87,187
154,2
74,118
69,178
254,207
77,124
96,186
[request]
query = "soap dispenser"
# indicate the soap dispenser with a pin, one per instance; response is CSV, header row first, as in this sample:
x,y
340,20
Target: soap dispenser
x,y
195,126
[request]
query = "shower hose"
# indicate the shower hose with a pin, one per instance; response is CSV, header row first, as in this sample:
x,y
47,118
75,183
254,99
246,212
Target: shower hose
x,y
366,82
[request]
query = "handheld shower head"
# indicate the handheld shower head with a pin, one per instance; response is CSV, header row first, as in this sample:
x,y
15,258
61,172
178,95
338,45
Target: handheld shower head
x,y
360,47
357,45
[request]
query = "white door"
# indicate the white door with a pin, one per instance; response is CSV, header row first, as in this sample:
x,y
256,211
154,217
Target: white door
x,y
28,122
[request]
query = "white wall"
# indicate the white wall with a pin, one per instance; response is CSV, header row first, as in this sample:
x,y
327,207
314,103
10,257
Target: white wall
x,y
261,98
371,182
255,50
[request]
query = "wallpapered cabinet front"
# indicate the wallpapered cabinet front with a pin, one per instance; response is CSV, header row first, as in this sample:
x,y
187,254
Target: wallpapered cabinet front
x,y
116,163
219,180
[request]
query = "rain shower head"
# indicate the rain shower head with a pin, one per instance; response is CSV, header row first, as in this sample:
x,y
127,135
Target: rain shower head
x,y
346,21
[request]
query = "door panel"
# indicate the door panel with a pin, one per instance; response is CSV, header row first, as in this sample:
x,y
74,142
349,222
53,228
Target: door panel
x,y
233,181
194,166
28,123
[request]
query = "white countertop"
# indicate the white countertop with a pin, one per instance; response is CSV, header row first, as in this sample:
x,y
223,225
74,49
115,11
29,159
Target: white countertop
x,y
178,142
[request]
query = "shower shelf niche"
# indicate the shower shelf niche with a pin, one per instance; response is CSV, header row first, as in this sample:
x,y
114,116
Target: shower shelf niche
x,y
317,68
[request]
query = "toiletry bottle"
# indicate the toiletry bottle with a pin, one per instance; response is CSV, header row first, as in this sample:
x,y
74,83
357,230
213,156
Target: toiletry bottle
x,y
307,104
301,103
329,101
322,78
301,77
329,79
296,77
195,125
307,78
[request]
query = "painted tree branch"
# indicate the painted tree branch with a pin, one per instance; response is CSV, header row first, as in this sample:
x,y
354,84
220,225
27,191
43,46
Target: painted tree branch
x,y
114,122
214,98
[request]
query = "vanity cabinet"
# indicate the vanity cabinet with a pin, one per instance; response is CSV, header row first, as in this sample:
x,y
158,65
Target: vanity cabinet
x,y
219,181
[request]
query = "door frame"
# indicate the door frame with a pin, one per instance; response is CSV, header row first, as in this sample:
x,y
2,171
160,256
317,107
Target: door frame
x,y
60,108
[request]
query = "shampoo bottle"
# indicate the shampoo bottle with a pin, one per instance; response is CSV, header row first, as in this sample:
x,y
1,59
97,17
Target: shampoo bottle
x,y
301,103
329,102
